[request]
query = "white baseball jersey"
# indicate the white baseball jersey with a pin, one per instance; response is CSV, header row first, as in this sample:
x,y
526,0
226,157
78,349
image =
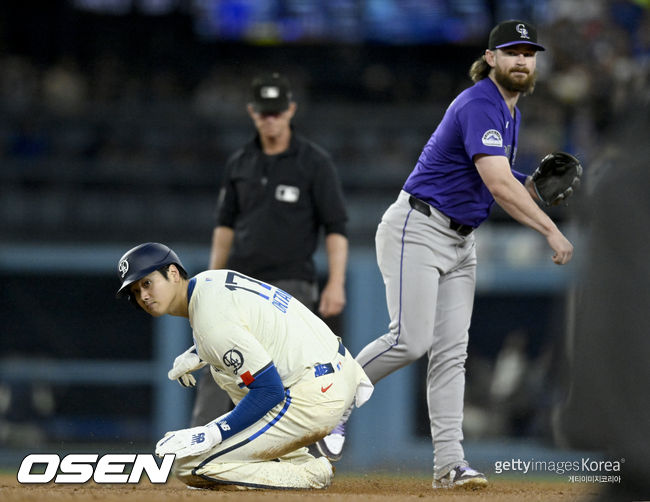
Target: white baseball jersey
x,y
244,328
242,325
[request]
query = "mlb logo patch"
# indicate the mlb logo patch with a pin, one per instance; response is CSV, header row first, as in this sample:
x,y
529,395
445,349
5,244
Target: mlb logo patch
x,y
270,92
286,193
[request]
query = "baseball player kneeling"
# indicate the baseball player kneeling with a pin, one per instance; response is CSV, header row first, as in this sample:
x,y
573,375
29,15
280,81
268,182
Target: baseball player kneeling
x,y
290,377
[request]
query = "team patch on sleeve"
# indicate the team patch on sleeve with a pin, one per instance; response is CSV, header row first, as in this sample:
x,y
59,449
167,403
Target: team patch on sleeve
x,y
492,137
234,360
247,378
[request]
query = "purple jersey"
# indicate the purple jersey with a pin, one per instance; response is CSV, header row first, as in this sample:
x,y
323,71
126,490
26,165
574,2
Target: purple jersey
x,y
477,122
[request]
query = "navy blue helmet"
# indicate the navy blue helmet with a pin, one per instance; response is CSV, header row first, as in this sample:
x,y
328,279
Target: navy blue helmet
x,y
140,262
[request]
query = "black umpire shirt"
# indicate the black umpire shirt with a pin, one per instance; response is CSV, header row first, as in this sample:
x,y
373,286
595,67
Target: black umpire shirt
x,y
276,205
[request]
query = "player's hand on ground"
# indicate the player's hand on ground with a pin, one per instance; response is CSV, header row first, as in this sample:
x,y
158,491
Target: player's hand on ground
x,y
563,249
184,364
189,442
332,300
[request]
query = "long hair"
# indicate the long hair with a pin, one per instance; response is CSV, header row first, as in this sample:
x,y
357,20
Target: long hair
x,y
479,69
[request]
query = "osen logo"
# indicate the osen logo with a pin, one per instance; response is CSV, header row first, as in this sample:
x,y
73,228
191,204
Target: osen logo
x,y
80,467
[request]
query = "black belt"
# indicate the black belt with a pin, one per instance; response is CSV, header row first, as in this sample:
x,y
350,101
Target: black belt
x,y
327,368
422,207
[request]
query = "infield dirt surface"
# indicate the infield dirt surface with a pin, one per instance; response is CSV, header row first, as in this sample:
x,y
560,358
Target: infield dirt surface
x,y
370,487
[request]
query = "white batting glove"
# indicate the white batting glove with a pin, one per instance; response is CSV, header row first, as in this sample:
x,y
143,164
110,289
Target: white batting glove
x,y
189,442
184,364
187,380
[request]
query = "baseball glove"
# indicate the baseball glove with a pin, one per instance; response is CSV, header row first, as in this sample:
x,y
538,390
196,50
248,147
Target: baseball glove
x,y
557,177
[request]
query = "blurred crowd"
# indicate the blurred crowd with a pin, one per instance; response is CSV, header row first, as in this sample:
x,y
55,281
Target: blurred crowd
x,y
598,53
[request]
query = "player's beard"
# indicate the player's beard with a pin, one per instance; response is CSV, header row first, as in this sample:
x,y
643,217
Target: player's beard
x,y
505,80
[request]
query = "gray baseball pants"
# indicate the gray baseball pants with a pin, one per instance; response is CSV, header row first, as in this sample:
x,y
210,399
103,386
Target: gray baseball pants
x,y
429,272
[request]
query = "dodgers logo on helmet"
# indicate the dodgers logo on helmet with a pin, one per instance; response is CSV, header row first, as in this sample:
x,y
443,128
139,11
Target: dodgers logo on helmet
x,y
522,30
123,268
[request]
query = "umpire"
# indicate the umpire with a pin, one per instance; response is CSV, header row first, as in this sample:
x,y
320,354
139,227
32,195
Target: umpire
x,y
277,192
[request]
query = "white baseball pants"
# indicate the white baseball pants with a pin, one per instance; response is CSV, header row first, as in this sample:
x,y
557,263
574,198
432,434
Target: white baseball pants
x,y
272,452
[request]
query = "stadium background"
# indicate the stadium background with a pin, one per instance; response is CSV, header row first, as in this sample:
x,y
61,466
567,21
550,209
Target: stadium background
x,y
116,117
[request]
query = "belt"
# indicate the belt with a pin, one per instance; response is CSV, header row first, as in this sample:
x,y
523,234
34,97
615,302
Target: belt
x,y
422,207
327,368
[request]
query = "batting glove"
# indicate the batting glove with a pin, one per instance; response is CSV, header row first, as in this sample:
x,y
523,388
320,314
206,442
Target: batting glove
x,y
189,442
184,364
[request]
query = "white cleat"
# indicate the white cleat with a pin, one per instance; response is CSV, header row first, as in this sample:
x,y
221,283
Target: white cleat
x,y
461,476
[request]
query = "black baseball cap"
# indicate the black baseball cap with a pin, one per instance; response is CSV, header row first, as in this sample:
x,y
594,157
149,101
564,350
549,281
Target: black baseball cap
x,y
513,32
271,93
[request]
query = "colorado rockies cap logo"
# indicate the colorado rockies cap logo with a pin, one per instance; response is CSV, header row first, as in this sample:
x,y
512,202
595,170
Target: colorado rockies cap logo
x,y
233,358
522,30
123,268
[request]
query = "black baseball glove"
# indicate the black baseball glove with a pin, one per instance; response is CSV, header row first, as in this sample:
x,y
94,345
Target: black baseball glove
x,y
557,177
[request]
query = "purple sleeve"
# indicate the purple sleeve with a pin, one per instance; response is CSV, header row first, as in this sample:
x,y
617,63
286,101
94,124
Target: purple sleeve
x,y
482,131
520,176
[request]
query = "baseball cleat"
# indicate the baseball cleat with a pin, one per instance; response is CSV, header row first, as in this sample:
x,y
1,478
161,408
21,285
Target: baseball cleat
x,y
321,471
331,446
461,476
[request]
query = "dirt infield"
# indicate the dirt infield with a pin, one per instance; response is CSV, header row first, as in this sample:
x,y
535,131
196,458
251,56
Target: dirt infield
x,y
372,487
